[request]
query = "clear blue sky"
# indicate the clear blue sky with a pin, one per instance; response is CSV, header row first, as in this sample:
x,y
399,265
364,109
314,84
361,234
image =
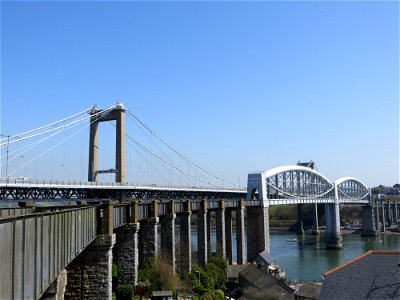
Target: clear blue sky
x,y
236,86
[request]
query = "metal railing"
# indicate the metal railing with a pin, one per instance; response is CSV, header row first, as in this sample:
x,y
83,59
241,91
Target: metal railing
x,y
35,248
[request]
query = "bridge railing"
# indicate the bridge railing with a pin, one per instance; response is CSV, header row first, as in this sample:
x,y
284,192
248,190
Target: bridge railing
x,y
34,248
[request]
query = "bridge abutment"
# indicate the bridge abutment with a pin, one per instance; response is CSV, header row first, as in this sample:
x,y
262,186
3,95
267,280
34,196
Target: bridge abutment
x,y
89,274
257,231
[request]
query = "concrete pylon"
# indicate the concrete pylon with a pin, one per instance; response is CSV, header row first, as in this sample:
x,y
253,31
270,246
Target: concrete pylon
x,y
220,231
240,234
315,219
257,231
228,234
116,114
202,247
185,242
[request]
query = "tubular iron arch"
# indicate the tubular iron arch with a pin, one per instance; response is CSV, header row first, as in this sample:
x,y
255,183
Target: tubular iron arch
x,y
351,188
295,181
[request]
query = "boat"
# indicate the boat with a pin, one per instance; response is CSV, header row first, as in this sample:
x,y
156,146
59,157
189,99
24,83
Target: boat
x,y
291,240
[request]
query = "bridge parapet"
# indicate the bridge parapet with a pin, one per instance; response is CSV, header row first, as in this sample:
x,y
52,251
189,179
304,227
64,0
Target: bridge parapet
x,y
35,248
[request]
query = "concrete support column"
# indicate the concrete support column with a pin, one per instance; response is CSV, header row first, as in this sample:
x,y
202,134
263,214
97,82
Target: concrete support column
x,y
300,229
315,219
148,244
120,153
89,274
185,242
220,231
383,216
257,231
240,234
202,249
228,235
56,290
126,254
168,239
396,213
333,238
93,149
368,221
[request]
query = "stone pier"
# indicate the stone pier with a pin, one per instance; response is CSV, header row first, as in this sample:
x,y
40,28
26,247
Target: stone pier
x,y
220,231
383,217
333,238
185,242
148,244
228,234
202,236
257,231
89,274
315,219
240,234
300,228
368,221
126,254
168,238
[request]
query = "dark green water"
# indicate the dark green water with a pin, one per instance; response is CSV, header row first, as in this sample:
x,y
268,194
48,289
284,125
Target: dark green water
x,y
307,259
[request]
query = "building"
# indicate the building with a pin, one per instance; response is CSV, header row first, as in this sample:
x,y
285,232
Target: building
x,y
373,275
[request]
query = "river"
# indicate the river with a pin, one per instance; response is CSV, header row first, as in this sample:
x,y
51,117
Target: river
x,y
306,259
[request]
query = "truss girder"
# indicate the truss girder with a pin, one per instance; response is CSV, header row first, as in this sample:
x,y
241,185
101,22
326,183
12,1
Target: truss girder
x,y
298,183
351,188
52,193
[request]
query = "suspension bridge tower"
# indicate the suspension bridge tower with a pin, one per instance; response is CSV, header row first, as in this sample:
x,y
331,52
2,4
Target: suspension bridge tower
x,y
117,114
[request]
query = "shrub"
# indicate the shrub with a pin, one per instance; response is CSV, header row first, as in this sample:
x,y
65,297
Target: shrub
x,y
124,292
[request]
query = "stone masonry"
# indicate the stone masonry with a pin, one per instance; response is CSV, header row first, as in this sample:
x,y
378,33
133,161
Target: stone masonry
x,y
126,254
89,274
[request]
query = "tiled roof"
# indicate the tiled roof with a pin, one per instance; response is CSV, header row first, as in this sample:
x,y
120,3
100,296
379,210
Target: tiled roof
x,y
373,275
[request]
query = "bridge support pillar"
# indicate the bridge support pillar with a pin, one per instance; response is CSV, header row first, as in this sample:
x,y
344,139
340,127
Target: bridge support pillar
x,y
240,234
377,223
89,274
185,242
333,238
209,245
220,231
257,231
56,290
168,239
383,216
315,219
148,239
126,254
300,228
228,234
389,214
368,221
396,213
202,235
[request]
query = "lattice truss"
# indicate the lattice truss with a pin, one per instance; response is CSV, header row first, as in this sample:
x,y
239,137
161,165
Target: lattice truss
x,y
300,183
351,188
